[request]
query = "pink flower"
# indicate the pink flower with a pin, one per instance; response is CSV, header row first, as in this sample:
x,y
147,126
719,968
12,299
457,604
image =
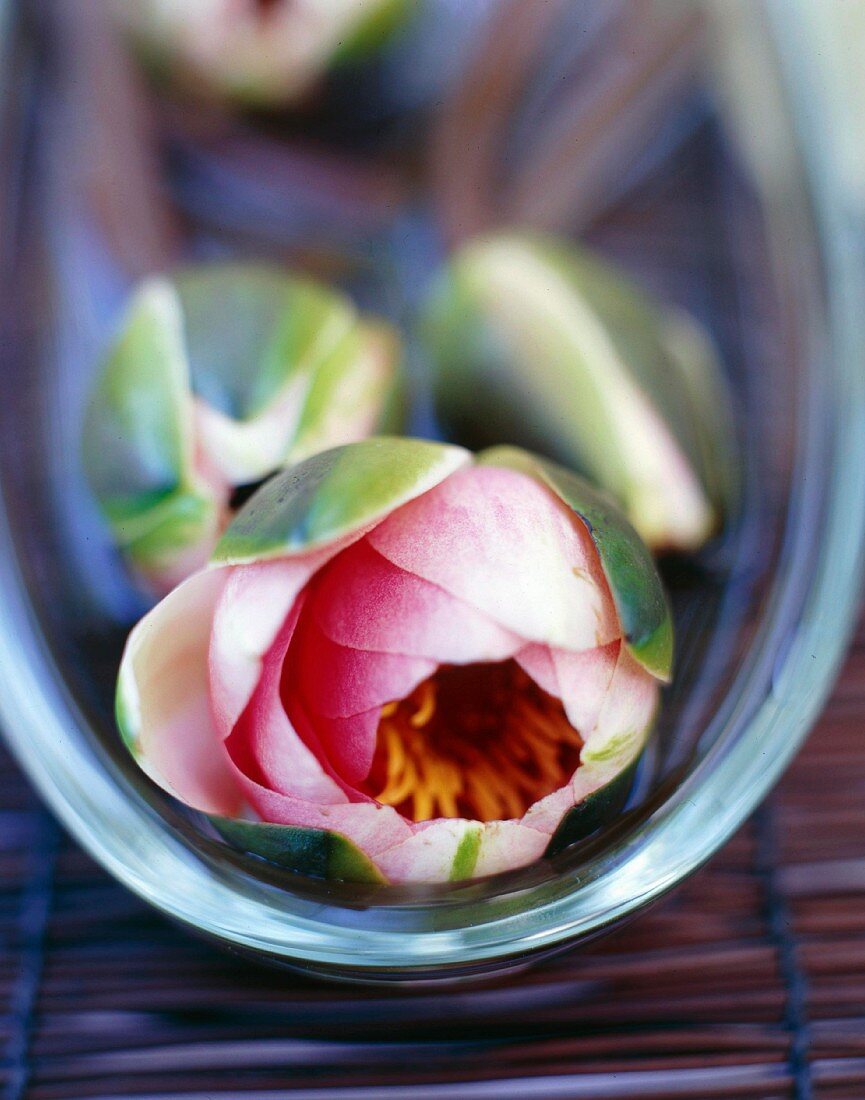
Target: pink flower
x,y
405,663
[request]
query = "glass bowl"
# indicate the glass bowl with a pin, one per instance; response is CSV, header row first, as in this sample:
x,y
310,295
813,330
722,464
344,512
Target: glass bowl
x,y
737,208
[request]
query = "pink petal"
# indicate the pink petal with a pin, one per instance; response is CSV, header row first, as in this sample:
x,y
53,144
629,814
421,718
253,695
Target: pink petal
x,y
537,661
624,720
623,713
248,618
284,761
580,679
255,604
349,742
372,827
343,690
363,601
429,854
584,682
502,542
507,845
546,814
164,696
338,681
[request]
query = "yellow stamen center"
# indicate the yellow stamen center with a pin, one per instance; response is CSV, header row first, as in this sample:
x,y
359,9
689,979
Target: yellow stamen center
x,y
479,741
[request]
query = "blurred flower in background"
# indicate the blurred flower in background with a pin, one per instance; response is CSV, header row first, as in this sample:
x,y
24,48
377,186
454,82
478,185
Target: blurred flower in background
x,y
539,342
261,53
221,375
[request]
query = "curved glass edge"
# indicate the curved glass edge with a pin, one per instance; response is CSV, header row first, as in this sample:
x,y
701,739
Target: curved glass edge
x,y
802,644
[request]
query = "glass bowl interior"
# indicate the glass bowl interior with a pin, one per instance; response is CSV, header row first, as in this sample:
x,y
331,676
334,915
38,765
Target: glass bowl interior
x,y
109,179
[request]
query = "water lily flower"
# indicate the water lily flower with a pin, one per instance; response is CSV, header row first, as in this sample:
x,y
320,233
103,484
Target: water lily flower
x,y
538,342
258,52
220,375
405,663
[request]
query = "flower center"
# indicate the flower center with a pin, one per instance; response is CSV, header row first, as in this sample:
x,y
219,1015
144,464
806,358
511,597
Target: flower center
x,y
478,741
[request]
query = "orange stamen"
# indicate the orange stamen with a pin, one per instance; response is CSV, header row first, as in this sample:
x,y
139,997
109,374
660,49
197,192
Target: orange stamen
x,y
478,741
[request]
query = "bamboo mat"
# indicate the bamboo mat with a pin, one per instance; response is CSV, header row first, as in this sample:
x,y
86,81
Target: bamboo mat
x,y
748,982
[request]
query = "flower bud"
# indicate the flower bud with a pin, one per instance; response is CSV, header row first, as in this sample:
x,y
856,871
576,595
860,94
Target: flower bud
x,y
260,53
539,343
221,375
405,663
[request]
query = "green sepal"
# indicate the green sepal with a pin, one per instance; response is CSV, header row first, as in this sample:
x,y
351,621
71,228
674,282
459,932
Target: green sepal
x,y
126,723
333,494
372,32
157,531
248,340
669,355
696,377
250,328
316,852
634,581
359,378
598,809
523,380
136,439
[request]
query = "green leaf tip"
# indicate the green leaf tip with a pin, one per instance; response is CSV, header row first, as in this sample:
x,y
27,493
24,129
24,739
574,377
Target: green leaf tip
x,y
316,852
333,494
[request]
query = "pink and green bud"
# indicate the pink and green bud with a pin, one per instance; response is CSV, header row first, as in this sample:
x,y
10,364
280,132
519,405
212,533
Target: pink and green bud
x,y
221,375
405,663
259,53
537,342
